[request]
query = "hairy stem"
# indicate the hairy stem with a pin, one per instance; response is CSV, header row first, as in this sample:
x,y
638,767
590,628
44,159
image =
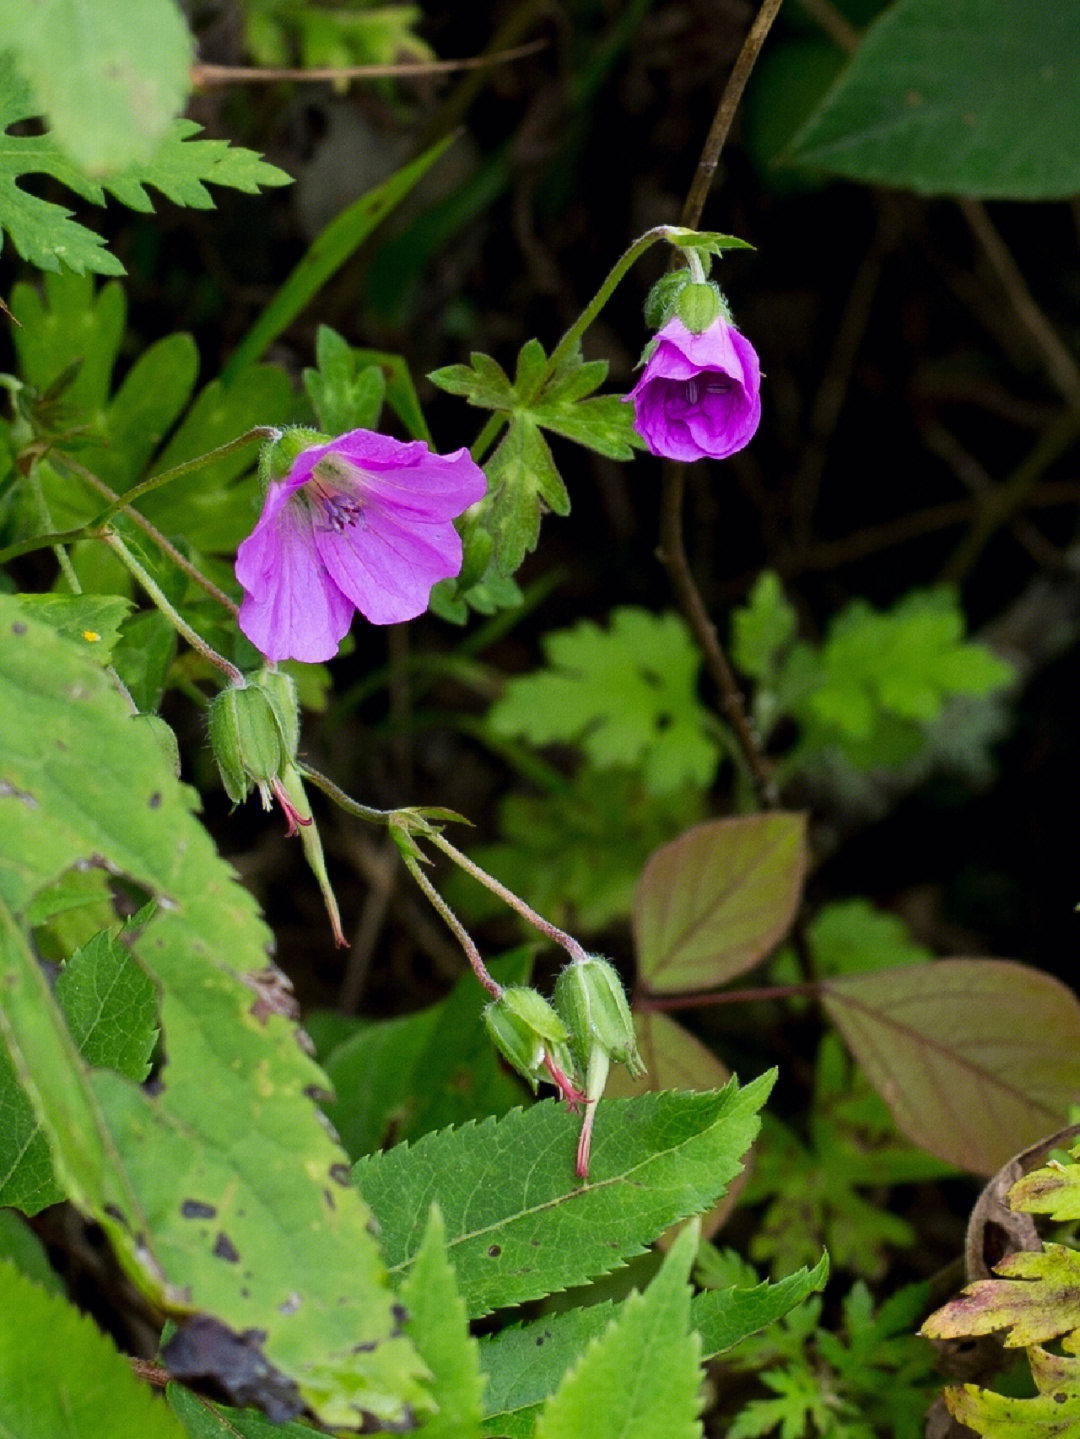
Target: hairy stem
x,y
464,938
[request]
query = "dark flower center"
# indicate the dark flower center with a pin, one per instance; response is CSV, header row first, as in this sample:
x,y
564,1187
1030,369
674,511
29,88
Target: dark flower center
x,y
331,493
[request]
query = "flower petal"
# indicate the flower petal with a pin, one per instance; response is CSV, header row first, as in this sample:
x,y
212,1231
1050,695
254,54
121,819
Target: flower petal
x,y
386,565
291,609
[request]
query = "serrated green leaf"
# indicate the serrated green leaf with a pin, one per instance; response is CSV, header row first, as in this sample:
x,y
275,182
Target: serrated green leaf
x,y
90,620
438,1326
642,1377
974,1057
345,393
627,695
203,1420
531,363
714,902
111,1010
20,1246
604,424
233,1129
525,1362
400,1078
1054,1413
967,98
61,1378
44,233
142,658
763,627
518,1224
522,481
134,63
1053,1190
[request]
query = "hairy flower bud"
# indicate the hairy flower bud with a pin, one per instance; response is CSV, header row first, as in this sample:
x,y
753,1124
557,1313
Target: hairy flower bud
x,y
280,690
589,996
698,306
528,1034
247,740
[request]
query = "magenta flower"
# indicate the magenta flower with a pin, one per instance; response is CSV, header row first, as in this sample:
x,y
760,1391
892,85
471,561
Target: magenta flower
x,y
363,523
699,395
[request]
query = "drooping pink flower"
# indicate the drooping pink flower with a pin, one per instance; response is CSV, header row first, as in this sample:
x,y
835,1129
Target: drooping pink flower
x,y
699,395
363,522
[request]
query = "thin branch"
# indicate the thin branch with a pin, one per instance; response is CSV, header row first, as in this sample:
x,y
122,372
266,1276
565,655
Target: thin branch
x,y
725,113
1060,364
204,75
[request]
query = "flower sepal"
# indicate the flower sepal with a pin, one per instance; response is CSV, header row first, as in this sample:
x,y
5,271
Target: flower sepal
x,y
590,998
277,456
531,1037
247,740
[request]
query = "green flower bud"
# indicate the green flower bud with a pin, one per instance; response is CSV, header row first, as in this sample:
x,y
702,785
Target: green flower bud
x,y
280,690
663,298
246,737
276,456
589,996
526,1031
698,307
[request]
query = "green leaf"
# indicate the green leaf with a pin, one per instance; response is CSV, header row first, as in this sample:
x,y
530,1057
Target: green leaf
x,y
20,1246
518,1224
193,1184
525,1362
439,1327
714,902
111,1009
642,1377
44,233
1054,1413
399,1078
345,393
762,629
522,484
975,1057
90,620
61,1378
968,98
330,249
627,695
851,936
203,1420
142,658
134,63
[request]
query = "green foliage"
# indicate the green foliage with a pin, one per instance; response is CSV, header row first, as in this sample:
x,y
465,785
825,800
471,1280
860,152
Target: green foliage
x,y
110,1007
642,1376
872,1376
133,64
714,902
179,166
577,851
349,387
627,695
287,32
850,936
399,1078
172,1177
523,481
969,98
815,1188
61,1378
870,691
518,1224
439,1328
525,1362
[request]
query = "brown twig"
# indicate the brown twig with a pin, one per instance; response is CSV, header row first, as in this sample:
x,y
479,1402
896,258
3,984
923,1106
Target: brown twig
x,y
1060,364
672,551
725,113
204,75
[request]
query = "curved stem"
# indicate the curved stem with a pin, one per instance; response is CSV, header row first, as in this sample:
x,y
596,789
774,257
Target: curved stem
x,y
120,503
464,938
166,477
150,585
341,799
550,931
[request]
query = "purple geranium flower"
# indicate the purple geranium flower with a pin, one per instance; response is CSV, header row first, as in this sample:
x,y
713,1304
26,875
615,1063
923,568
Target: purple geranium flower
x,y
699,395
363,523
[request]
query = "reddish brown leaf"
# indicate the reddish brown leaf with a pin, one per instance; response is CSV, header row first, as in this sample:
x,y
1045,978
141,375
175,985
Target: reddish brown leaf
x,y
714,902
976,1058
